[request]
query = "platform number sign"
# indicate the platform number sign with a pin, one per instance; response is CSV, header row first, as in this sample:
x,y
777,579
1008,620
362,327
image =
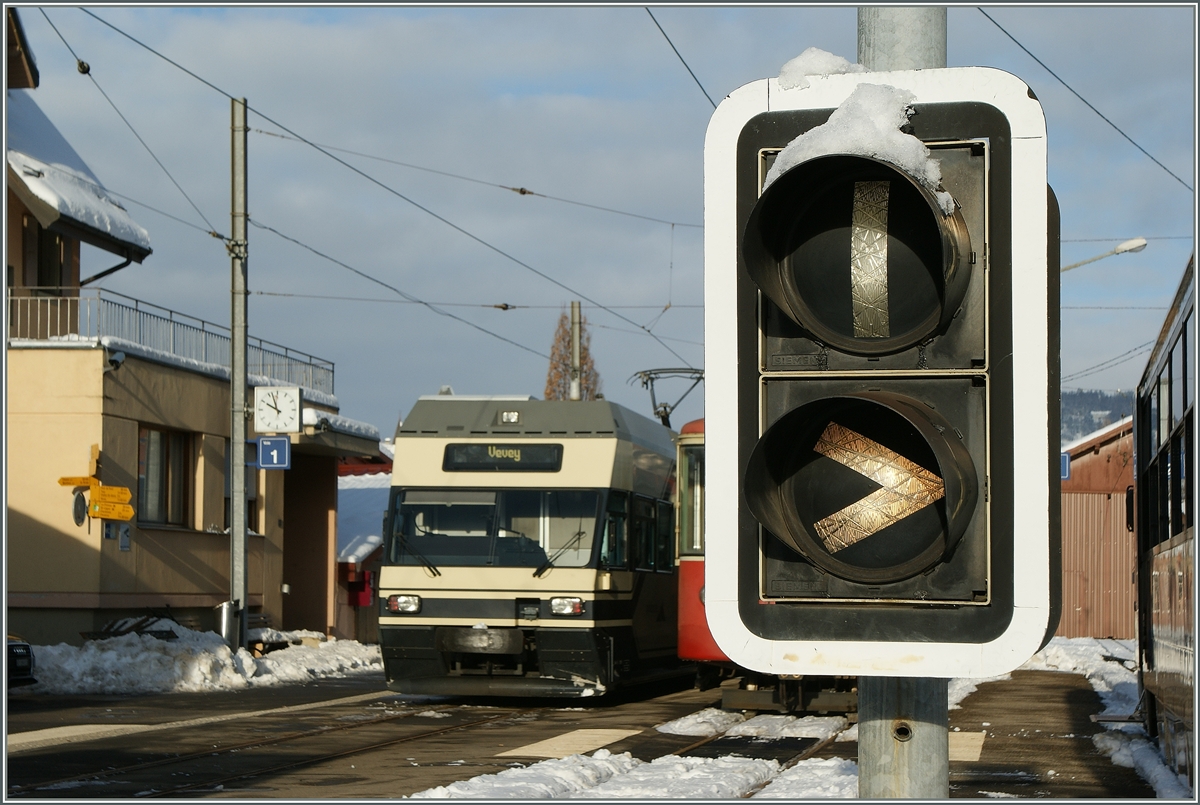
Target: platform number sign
x,y
274,453
882,375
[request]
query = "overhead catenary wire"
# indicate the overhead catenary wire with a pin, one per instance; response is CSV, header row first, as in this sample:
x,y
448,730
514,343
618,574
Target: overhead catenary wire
x,y
396,290
461,230
681,59
1108,364
85,69
523,191
499,306
1121,240
1085,101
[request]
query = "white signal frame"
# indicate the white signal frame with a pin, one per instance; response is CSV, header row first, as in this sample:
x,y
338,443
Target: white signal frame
x,y
1032,607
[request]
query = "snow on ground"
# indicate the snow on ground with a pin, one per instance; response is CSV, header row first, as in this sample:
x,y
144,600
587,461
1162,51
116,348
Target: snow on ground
x,y
673,777
193,661
201,661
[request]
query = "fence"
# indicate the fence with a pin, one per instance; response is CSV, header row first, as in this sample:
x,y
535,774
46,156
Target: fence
x,y
46,316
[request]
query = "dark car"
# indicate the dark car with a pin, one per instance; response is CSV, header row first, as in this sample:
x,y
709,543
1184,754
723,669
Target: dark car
x,y
20,662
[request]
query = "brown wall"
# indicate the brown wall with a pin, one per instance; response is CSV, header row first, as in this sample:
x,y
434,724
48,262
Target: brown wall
x,y
310,536
1098,594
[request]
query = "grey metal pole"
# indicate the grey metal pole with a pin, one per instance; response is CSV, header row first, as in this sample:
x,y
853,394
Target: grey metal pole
x,y
903,741
891,38
576,391
237,377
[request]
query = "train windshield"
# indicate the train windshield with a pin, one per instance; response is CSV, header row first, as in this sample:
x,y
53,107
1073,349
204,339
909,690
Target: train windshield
x,y
493,527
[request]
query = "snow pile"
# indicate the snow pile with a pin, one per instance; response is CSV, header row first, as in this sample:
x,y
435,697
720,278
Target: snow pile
x,y
688,778
1139,754
709,721
773,726
551,778
814,62
268,635
868,124
815,778
194,661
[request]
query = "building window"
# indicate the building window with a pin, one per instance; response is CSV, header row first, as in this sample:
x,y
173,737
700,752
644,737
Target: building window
x,y
44,256
164,476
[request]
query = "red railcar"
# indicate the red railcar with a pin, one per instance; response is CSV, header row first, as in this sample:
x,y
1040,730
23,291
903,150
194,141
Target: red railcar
x,y
741,689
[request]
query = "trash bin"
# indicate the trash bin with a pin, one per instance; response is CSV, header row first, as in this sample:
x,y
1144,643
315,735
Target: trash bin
x,y
229,623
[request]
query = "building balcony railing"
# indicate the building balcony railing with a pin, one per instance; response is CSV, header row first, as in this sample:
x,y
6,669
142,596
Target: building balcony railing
x,y
54,314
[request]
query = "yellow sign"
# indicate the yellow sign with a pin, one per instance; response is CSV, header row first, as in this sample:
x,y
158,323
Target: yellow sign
x,y
78,480
110,511
110,494
907,487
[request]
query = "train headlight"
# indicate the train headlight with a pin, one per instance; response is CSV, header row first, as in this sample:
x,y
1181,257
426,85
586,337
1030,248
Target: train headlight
x,y
406,604
566,606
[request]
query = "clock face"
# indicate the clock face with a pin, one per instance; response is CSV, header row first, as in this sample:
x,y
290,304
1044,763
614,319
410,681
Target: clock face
x,y
276,410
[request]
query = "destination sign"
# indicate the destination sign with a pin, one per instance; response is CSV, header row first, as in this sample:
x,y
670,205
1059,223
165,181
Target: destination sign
x,y
502,458
111,494
110,511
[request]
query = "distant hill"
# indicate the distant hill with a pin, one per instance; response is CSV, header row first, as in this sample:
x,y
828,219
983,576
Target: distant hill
x,y
1087,411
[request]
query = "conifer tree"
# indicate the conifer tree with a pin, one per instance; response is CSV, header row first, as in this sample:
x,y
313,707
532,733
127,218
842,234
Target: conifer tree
x,y
558,379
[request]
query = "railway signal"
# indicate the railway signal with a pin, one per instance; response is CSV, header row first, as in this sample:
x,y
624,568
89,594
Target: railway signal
x,y
881,283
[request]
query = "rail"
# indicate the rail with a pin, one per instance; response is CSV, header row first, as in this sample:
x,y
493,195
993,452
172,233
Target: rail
x,y
45,315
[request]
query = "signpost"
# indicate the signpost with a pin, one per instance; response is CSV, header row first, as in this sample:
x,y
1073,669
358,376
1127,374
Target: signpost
x,y
110,511
274,453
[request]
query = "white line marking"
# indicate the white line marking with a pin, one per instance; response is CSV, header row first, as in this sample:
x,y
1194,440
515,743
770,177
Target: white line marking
x,y
37,739
571,743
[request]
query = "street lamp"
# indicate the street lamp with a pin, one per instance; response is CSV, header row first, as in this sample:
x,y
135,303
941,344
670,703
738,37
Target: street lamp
x,y
1133,245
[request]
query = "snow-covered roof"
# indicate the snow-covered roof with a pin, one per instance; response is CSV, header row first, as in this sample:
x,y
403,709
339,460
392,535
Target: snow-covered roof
x,y
53,181
323,419
1098,435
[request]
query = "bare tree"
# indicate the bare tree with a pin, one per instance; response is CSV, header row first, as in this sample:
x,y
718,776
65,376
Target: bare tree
x,y
558,379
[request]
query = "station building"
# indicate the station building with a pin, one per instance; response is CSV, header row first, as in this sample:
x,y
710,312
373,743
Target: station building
x,y
137,397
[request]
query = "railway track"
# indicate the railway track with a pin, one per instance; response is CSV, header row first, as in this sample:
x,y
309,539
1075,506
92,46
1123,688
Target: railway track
x,y
268,752
207,763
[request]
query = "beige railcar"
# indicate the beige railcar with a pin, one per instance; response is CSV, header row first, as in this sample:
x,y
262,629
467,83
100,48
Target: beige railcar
x,y
529,549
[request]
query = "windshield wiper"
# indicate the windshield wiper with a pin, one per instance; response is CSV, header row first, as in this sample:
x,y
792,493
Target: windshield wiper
x,y
430,566
549,563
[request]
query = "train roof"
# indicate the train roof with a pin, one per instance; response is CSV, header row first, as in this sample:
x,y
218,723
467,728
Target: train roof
x,y
453,416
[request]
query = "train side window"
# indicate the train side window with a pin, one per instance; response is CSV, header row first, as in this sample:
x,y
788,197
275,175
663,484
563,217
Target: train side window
x,y
1163,396
1178,381
643,534
691,501
1189,361
1177,506
1152,422
614,552
666,545
1187,468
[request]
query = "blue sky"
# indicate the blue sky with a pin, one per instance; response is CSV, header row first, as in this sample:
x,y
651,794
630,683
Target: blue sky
x,y
586,104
